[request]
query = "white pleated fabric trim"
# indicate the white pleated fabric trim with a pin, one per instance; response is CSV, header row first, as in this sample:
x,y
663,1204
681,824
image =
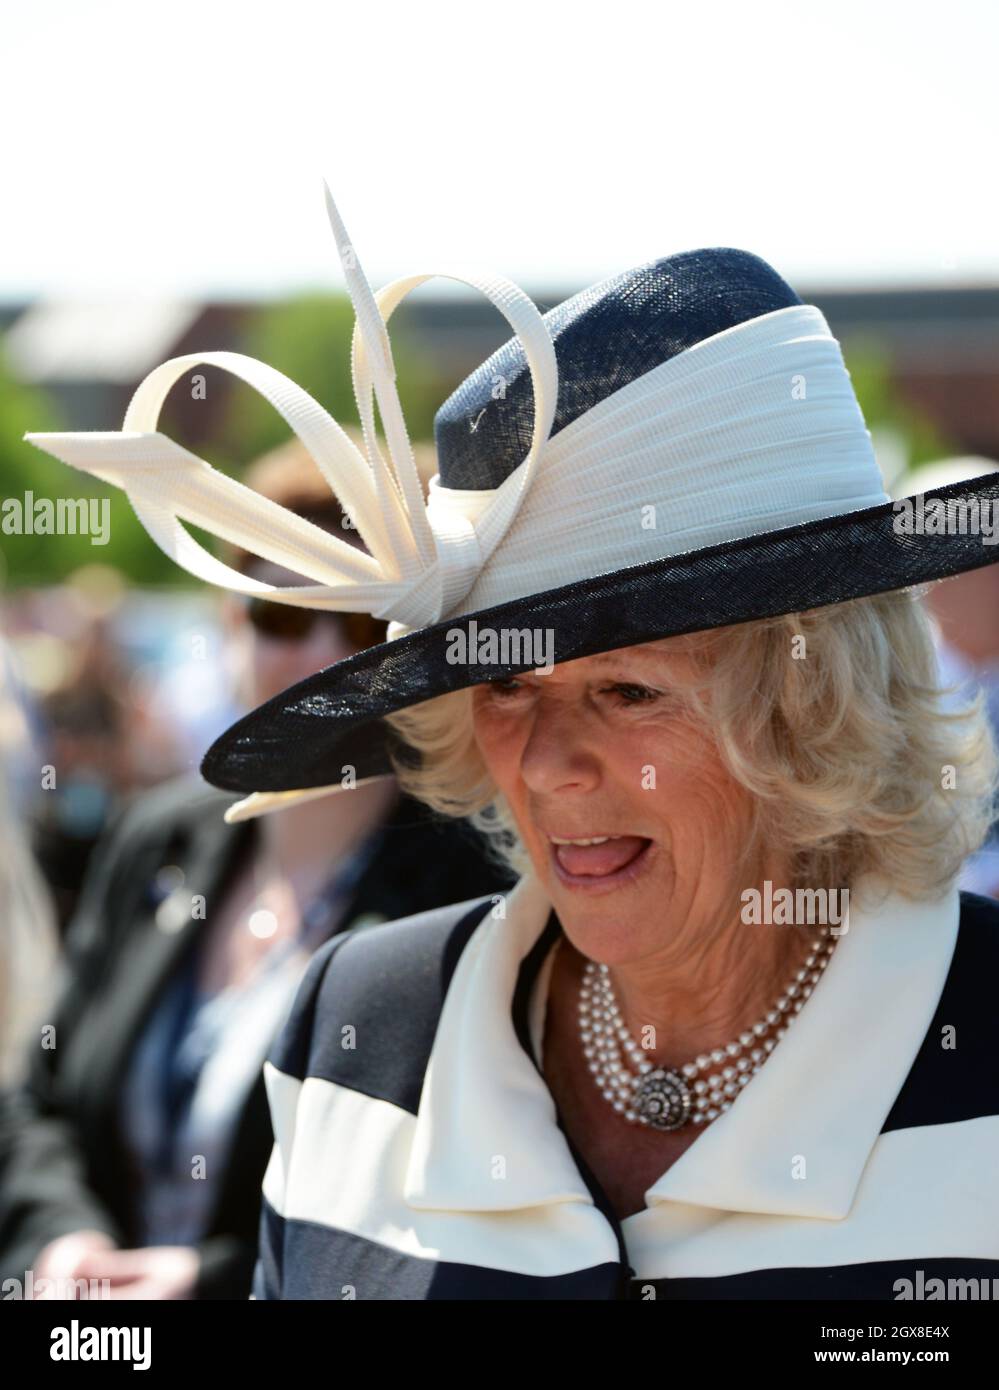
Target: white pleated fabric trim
x,y
753,429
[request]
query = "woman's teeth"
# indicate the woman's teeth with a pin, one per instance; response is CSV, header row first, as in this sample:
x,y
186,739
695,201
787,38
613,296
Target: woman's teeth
x,y
596,856
597,840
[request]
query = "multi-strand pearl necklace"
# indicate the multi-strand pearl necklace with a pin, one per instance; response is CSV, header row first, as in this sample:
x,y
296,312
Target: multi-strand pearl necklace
x,y
702,1089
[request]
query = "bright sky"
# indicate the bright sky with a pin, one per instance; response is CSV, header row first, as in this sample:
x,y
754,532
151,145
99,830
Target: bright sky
x,y
179,146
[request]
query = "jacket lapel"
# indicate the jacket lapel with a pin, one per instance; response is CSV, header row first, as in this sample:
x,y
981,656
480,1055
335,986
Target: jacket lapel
x,y
798,1138
486,1135
151,951
821,1098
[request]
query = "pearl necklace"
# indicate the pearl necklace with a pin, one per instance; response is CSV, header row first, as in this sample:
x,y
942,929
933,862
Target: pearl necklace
x,y
664,1098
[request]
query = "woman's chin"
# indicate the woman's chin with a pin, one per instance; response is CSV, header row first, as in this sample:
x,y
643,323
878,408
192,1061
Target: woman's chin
x,y
606,916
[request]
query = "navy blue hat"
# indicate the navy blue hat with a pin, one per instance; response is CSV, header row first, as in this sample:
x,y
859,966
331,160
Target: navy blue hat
x,y
605,338
675,449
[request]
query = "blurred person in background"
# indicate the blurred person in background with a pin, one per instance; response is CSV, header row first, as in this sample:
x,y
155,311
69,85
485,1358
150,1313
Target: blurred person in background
x,y
93,739
965,610
83,719
140,1143
29,946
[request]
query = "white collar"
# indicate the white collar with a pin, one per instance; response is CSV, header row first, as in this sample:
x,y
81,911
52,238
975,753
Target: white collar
x,y
487,1136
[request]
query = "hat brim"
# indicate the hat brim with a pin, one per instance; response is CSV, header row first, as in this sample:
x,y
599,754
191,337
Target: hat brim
x,y
311,733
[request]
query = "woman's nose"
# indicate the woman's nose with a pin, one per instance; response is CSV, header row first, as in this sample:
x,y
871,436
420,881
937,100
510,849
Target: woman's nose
x,y
558,753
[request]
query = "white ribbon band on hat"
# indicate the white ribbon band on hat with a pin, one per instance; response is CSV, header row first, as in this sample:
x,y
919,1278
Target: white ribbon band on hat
x,y
752,429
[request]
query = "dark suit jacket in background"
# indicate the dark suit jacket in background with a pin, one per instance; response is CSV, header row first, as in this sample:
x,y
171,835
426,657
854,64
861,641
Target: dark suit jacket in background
x,y
63,1164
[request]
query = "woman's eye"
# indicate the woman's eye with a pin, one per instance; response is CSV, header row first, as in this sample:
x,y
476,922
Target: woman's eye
x,y
632,694
504,685
625,692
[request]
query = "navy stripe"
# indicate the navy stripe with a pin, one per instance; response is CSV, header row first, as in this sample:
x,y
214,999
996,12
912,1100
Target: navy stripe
x,y
874,1281
388,984
322,1263
949,1084
268,1271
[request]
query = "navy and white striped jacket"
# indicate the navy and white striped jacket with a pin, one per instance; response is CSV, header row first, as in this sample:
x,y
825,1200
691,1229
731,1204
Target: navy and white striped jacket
x,y
419,1155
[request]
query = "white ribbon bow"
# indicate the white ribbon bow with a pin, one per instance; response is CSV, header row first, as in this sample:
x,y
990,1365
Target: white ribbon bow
x,y
424,555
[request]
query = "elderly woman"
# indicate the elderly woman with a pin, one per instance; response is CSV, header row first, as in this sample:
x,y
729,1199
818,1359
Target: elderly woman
x,y
655,633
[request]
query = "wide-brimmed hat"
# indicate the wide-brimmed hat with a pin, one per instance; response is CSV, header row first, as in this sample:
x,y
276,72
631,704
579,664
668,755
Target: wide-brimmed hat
x,y
675,449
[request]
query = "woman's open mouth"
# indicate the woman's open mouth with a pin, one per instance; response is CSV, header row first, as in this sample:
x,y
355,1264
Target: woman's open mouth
x,y
598,863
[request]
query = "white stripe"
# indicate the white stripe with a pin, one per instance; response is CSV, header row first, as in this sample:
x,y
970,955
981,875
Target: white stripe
x,y
926,1193
340,1161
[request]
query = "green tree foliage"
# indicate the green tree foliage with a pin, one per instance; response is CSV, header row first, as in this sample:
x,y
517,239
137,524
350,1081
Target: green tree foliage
x,y
884,407
25,469
308,339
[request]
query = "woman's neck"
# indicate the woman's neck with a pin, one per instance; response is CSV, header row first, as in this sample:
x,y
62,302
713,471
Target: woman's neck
x,y
713,978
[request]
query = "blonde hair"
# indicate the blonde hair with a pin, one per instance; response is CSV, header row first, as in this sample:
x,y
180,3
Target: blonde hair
x,y
831,719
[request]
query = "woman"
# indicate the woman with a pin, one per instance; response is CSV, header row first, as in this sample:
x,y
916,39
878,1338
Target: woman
x,y
136,1149
655,631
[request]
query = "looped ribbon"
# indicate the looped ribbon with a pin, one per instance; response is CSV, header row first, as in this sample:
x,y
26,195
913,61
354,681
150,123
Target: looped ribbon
x,y
424,555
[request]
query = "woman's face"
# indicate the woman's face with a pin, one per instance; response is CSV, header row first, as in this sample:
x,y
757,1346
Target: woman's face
x,y
600,749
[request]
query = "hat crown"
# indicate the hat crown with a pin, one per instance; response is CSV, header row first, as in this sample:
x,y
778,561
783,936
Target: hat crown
x,y
605,337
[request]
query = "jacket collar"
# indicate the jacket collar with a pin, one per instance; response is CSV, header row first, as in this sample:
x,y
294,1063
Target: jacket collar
x,y
487,1137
